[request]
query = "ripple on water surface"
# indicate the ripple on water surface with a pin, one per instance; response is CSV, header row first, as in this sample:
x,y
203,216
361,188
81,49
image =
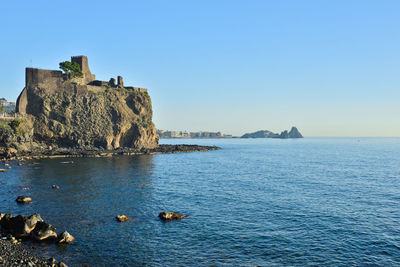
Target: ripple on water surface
x,y
315,201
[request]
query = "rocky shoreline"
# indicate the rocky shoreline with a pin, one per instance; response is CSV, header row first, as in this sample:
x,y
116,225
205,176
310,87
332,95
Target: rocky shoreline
x,y
100,152
12,253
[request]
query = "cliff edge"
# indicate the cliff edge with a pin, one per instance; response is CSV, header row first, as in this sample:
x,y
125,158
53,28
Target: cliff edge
x,y
57,110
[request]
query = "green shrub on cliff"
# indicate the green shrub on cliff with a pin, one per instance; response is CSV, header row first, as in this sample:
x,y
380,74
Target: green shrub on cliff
x,y
71,69
6,126
144,124
14,124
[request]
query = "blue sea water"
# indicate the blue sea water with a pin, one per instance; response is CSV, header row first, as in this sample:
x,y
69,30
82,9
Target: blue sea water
x,y
266,202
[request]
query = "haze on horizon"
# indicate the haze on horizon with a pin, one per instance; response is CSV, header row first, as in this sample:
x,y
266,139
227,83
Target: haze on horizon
x,y
328,68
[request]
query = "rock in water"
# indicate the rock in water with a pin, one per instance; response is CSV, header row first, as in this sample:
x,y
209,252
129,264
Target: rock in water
x,y
44,231
66,238
23,199
284,134
55,186
169,216
294,133
123,218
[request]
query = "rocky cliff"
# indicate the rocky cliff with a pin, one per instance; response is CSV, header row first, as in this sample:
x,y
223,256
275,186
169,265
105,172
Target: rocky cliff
x,y
74,117
293,133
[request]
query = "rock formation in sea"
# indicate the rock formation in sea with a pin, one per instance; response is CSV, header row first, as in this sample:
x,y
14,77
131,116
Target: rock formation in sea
x,y
293,133
73,110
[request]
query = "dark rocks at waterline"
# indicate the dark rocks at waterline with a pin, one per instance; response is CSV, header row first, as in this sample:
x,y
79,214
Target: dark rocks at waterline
x,y
169,216
44,231
19,226
33,227
90,151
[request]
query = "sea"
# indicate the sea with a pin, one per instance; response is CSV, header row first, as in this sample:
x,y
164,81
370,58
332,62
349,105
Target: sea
x,y
254,202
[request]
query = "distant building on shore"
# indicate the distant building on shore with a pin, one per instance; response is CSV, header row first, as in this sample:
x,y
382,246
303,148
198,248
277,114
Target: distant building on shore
x,y
8,107
185,134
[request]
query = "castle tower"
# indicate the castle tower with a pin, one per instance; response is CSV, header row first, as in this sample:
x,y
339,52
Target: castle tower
x,y
83,63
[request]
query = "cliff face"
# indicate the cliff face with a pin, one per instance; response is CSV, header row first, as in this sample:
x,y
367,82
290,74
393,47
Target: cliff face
x,y
73,116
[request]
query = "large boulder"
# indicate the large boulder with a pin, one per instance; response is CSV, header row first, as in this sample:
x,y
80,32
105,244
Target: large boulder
x,y
19,226
23,199
31,222
66,238
44,231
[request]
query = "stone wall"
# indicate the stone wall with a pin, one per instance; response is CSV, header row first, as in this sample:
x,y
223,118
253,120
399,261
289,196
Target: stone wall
x,y
84,64
35,77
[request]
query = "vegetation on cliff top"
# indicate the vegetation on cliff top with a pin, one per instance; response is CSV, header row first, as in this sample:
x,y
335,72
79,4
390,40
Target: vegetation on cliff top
x,y
72,69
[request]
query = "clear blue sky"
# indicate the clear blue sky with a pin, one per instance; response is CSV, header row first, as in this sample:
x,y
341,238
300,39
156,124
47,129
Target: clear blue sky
x,y
331,68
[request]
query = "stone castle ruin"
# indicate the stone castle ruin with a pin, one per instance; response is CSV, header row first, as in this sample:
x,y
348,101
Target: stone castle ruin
x,y
55,80
71,109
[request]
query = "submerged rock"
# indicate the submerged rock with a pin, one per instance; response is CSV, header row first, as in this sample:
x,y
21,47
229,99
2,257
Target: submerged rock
x,y
123,218
44,231
23,199
169,216
66,238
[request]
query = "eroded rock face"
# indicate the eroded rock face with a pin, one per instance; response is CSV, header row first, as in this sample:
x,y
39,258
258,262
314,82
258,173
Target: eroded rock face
x,y
73,116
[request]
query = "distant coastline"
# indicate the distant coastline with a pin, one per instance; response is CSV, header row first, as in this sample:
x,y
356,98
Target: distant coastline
x,y
165,134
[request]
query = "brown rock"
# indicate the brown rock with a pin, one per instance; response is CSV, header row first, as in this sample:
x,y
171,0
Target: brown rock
x,y
169,216
55,186
3,170
66,238
44,231
123,218
23,199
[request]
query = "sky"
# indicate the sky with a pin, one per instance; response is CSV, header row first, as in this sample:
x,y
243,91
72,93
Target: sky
x,y
331,68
